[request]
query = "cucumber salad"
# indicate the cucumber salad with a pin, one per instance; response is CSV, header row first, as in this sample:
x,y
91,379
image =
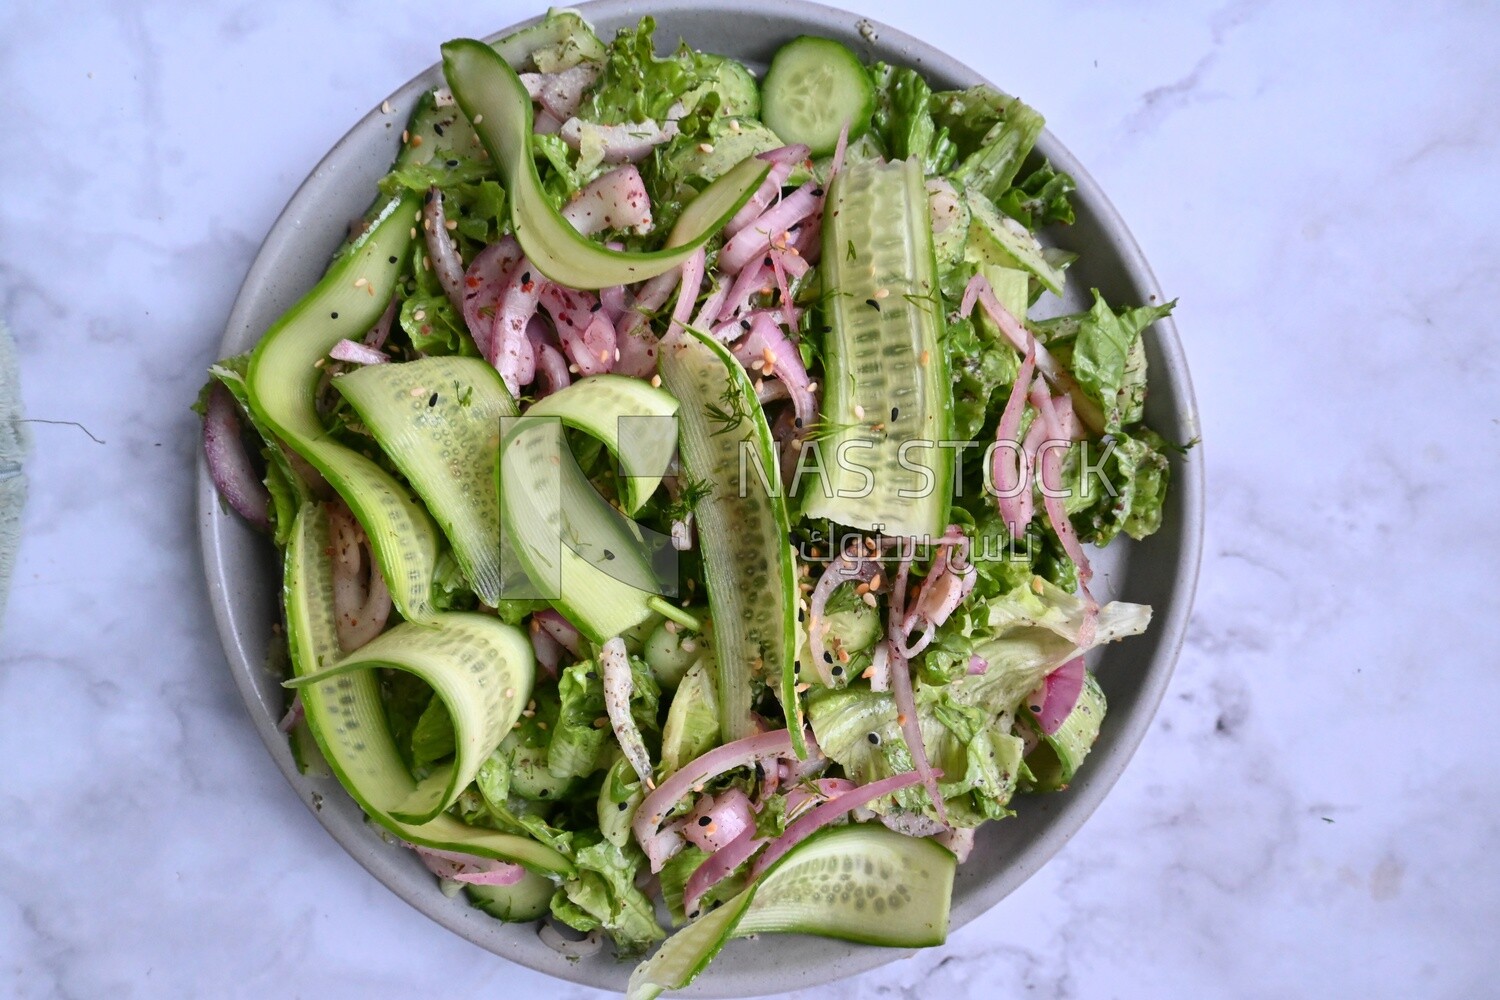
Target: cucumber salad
x,y
682,510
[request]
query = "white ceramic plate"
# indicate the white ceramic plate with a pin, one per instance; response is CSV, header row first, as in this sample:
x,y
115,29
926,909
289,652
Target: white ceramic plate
x,y
243,575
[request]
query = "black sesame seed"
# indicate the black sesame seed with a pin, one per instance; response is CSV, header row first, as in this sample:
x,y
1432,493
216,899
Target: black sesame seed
x,y
608,554
432,400
437,127
704,821
744,324
874,739
452,163
873,304
596,307
838,671
333,315
526,278
827,656
817,192
622,806
895,412
393,260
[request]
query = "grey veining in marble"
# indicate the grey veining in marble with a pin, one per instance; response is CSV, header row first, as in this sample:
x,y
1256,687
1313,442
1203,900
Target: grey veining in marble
x,y
1315,812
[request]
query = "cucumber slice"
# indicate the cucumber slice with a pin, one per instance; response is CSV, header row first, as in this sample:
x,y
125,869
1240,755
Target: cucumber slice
x,y
574,549
347,716
860,883
559,41
888,398
438,420
282,381
742,529
481,670
1059,756
692,728
528,899
491,94
813,88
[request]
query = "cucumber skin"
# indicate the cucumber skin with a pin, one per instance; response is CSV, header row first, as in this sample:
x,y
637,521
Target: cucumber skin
x,y
786,61
528,899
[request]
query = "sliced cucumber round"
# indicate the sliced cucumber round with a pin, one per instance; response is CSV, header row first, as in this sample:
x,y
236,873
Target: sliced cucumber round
x,y
814,87
527,899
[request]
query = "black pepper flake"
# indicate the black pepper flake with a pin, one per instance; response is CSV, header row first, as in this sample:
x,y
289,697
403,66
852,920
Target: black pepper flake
x,y
333,315
704,821
543,792
432,400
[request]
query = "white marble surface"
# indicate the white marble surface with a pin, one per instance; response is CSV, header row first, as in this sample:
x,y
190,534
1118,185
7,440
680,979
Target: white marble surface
x,y
1315,811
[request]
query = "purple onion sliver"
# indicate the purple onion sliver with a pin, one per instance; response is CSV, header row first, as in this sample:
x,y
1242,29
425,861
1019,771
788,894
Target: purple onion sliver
x,y
229,463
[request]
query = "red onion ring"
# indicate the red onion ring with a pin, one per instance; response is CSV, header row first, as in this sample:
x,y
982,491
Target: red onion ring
x,y
1058,515
978,289
616,200
740,753
564,631
483,283
728,815
906,701
1011,472
468,868
381,331
1059,694
755,239
840,570
229,463
357,353
820,816
446,263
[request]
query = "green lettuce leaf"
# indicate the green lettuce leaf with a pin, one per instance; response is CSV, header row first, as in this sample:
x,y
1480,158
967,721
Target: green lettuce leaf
x,y
576,743
604,894
994,133
903,119
1040,198
636,86
1106,361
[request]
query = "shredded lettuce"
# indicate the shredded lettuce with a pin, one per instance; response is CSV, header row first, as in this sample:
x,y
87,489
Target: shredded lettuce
x,y
903,118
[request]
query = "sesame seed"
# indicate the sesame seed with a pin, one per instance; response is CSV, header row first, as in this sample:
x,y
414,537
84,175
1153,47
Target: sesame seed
x,y
859,412
418,392
573,369
413,232
803,687
405,135
926,357
868,598
705,147
812,387
478,119
385,107
416,140
670,626
361,282
882,293
689,646
656,381
450,225
419,315
510,692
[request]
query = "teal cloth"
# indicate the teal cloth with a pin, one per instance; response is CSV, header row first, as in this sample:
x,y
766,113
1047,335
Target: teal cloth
x,y
13,445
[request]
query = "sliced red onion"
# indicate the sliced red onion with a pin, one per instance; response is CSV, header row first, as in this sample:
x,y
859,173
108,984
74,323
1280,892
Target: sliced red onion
x,y
979,290
618,684
548,651
791,263
717,820
1060,693
468,868
771,391
778,271
755,239
809,241
627,143
564,631
788,156
446,263
357,353
229,463
381,331
767,343
295,713
959,840
746,284
820,816
948,584
740,753
839,149
361,602
688,287
978,665
764,195
551,371
483,283
708,313
546,123
616,200
510,350
560,93
847,567
718,866
586,334
906,701
614,301
1058,516
1010,467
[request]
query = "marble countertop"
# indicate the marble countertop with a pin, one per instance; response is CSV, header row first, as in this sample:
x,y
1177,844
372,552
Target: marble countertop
x,y
1317,808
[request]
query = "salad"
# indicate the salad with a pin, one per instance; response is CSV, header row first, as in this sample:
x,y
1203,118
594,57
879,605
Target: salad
x,y
682,507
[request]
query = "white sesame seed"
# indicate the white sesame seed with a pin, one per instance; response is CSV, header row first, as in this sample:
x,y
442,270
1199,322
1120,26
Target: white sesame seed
x,y
882,293
385,107
478,119
705,147
656,381
859,412
419,315
361,282
573,369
